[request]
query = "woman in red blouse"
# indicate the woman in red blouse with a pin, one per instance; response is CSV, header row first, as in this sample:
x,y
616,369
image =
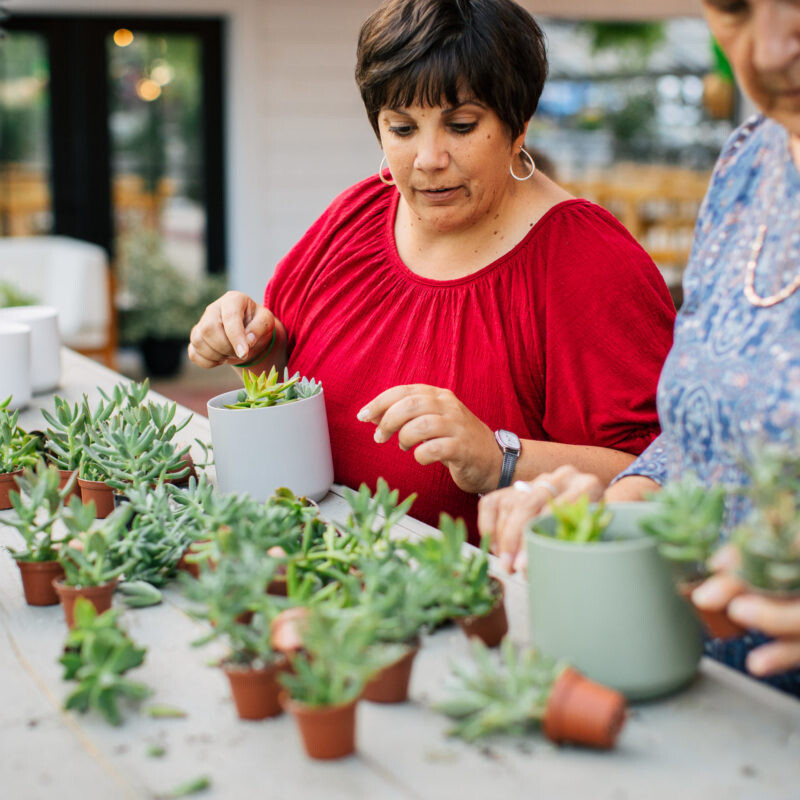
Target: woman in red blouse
x,y
459,299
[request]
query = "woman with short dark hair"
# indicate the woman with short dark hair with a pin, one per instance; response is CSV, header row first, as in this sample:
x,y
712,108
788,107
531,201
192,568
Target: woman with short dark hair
x,y
459,298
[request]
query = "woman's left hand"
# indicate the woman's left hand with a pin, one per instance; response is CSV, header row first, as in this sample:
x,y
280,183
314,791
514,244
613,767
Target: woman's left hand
x,y
442,429
777,618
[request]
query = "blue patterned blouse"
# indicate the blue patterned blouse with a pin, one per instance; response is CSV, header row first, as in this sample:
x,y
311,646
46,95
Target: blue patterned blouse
x,y
732,378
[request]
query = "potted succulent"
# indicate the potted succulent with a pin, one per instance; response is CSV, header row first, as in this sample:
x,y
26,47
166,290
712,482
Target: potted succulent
x,y
232,598
397,597
285,419
768,540
90,562
18,450
465,590
327,678
37,506
513,690
97,654
65,439
606,603
686,525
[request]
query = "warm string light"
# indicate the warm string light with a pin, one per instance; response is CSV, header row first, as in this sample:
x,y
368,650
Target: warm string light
x,y
122,37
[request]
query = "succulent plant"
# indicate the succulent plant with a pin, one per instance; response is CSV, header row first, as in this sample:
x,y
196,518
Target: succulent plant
x,y
36,507
66,433
96,561
499,693
687,525
18,449
580,521
264,389
97,655
769,538
337,659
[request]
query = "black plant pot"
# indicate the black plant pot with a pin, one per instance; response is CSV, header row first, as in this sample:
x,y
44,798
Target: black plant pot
x,y
162,357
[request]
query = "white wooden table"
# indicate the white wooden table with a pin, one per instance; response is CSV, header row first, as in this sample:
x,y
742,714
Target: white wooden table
x,y
726,736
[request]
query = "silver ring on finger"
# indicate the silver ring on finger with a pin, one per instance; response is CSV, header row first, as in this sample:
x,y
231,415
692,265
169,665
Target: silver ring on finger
x,y
545,484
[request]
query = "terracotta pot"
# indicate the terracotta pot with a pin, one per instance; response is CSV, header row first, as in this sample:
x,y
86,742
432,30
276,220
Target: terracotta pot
x,y
37,581
255,691
390,685
327,731
286,629
583,712
492,626
101,493
64,476
192,567
99,596
8,483
717,624
188,461
278,587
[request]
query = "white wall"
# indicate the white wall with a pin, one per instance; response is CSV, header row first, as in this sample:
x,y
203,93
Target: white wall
x,y
296,131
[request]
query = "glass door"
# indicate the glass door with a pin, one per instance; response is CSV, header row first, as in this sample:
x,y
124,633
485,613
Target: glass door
x,y
25,170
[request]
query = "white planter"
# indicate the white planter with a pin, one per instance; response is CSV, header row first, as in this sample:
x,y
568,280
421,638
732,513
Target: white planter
x,y
258,450
15,363
45,343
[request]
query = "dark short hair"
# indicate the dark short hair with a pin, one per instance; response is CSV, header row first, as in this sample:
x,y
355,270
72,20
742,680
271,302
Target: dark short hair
x,y
421,51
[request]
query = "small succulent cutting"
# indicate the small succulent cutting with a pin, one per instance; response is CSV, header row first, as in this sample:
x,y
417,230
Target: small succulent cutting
x,y
580,521
503,693
265,390
97,654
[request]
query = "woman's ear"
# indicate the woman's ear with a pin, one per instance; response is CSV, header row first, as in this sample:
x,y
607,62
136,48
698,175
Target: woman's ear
x,y
519,141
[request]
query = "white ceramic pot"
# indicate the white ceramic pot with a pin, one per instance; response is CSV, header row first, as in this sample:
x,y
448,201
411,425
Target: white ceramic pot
x,y
258,450
45,343
15,363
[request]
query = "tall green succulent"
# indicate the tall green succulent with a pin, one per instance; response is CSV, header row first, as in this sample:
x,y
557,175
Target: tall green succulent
x,y
686,524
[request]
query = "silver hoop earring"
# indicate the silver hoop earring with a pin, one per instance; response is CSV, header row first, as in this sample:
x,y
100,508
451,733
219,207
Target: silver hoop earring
x,y
384,162
526,154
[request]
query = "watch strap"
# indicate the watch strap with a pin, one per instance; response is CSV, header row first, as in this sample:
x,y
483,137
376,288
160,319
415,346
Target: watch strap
x,y
507,472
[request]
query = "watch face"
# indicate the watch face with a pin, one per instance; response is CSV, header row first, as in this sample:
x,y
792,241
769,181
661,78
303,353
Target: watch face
x,y
507,440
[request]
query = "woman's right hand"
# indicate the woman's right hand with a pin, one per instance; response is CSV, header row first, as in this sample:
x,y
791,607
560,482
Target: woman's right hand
x,y
503,514
233,329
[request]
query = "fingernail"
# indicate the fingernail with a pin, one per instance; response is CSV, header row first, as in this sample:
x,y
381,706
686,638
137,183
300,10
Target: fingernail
x,y
744,610
251,339
378,436
757,663
363,415
241,351
708,595
505,561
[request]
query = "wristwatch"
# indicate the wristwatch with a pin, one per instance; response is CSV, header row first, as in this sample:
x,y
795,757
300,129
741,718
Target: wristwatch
x,y
510,445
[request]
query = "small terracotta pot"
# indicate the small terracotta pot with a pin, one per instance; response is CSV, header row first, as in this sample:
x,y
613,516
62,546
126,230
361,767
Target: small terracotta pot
x,y
101,493
99,596
492,626
37,581
8,483
716,623
286,629
390,685
188,461
327,731
255,691
583,712
64,476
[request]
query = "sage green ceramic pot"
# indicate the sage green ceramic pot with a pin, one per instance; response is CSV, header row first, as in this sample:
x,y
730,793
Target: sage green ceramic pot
x,y
610,607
